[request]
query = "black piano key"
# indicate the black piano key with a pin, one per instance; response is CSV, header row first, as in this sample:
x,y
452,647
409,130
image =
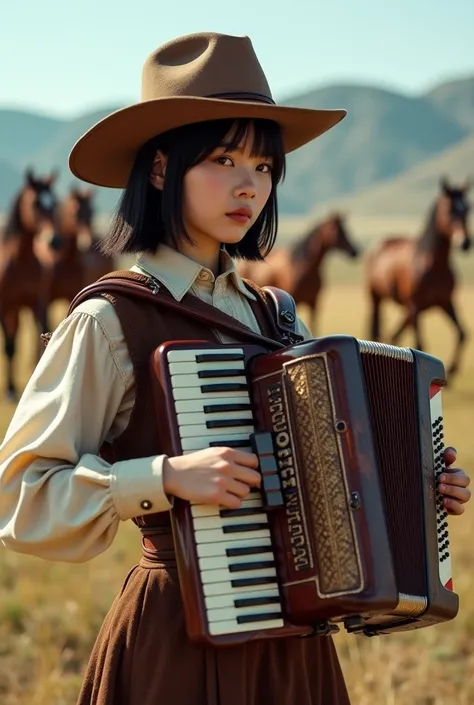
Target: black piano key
x,y
255,601
249,582
219,357
224,387
246,551
244,527
204,374
228,423
230,444
214,408
258,565
242,512
265,617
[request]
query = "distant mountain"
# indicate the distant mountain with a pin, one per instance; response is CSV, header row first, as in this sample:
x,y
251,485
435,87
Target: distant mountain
x,y
384,135
455,100
412,192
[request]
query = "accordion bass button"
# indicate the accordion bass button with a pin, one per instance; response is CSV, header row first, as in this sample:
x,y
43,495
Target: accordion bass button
x,y
355,502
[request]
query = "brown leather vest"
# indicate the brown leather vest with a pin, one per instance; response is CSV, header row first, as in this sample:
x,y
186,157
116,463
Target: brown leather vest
x,y
145,327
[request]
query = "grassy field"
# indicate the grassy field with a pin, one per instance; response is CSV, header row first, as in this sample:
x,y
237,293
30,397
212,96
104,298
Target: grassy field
x,y
50,613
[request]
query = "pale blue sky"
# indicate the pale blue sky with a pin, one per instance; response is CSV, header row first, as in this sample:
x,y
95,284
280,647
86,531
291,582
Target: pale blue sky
x,y
65,58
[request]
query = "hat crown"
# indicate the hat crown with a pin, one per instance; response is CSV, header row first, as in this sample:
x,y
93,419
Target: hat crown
x,y
207,64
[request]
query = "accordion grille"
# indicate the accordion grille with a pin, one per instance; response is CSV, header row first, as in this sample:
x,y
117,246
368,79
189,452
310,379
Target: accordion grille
x,y
321,464
391,396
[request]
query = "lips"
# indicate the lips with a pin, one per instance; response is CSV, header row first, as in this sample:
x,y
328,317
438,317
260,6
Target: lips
x,y
241,215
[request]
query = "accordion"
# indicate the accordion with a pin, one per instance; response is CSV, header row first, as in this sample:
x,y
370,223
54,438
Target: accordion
x,y
347,527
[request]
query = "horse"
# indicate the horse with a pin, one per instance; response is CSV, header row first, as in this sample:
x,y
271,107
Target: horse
x,y
417,273
298,269
31,212
70,258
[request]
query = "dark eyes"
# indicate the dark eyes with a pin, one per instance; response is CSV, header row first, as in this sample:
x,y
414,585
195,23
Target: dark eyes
x,y
227,161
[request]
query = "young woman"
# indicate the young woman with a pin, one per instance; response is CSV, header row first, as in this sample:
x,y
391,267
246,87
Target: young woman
x,y
199,158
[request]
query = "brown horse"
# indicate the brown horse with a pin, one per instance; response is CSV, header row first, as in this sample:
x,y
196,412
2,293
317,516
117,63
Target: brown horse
x,y
71,259
20,270
297,270
417,273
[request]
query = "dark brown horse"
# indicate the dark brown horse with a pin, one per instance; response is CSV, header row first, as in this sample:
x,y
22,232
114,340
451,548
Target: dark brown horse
x,y
298,269
417,273
20,270
71,258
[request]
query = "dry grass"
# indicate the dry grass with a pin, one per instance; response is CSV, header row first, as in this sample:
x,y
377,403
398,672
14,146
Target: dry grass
x,y
50,613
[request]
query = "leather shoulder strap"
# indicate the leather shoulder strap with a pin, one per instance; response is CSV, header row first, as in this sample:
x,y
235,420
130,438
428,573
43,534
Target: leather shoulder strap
x,y
130,283
282,308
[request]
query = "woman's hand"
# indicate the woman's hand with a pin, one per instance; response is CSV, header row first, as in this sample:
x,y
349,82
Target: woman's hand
x,y
221,476
453,484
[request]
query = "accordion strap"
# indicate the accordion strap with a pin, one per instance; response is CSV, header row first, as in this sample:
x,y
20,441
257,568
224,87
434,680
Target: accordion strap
x,y
130,283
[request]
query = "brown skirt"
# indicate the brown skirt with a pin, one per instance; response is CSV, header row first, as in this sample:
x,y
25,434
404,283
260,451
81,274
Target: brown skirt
x,y
143,657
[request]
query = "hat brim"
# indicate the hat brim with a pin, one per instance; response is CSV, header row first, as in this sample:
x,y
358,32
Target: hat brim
x,y
105,154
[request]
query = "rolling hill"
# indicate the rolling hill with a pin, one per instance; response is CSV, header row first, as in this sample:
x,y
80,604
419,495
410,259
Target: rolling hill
x,y
385,136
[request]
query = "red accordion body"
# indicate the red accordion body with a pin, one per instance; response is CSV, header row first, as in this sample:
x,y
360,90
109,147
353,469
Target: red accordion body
x,y
348,526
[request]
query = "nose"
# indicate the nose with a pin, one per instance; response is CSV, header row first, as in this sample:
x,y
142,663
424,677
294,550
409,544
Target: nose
x,y
246,186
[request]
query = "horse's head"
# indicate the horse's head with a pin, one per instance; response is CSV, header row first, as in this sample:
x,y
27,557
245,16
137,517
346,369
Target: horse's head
x,y
82,200
452,214
40,197
335,236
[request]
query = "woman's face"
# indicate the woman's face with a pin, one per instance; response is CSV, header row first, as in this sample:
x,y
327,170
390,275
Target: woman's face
x,y
225,194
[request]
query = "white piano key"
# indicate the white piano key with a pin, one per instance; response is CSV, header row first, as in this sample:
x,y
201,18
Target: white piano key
x,y
218,548
192,367
227,600
218,562
222,574
199,417
202,431
194,381
190,355
225,588
246,449
193,406
200,443
231,627
210,510
180,393
231,613
216,521
217,535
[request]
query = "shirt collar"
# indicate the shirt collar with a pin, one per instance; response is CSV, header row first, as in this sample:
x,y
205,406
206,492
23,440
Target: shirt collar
x,y
179,273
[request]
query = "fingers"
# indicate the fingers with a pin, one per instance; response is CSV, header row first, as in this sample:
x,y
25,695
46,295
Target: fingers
x,y
453,507
449,455
240,489
462,494
456,477
240,457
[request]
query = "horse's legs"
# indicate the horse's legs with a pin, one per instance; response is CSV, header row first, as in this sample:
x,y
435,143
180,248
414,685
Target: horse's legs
x,y
10,323
451,312
375,316
411,319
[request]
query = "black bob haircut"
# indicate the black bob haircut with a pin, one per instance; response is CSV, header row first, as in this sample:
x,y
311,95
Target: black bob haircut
x,y
146,216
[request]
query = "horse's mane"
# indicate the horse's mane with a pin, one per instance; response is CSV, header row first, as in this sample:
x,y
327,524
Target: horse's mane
x,y
301,247
427,241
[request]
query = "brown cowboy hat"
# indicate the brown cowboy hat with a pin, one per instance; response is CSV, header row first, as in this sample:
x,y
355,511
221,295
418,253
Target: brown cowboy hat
x,y
190,79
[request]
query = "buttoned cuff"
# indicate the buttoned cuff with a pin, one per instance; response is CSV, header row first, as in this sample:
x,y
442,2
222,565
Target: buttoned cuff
x,y
137,487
